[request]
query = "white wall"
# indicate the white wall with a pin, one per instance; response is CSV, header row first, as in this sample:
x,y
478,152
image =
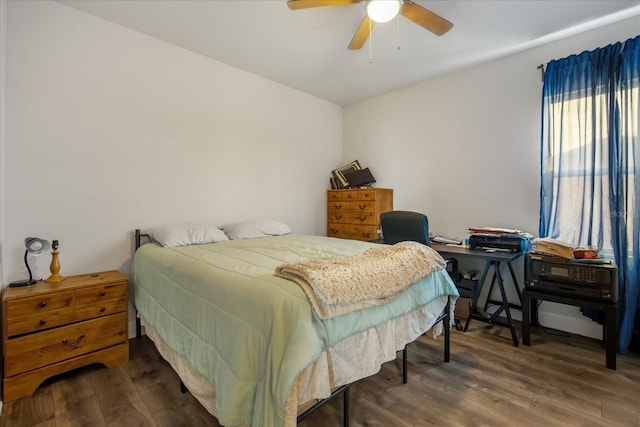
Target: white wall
x,y
464,148
3,40
111,130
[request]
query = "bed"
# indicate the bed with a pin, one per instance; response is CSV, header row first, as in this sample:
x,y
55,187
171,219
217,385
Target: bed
x,y
249,345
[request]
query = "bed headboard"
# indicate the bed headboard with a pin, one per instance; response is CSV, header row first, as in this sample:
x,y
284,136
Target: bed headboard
x,y
139,235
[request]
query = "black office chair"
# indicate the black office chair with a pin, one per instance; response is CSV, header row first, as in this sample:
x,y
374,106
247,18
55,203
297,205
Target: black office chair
x,y
399,226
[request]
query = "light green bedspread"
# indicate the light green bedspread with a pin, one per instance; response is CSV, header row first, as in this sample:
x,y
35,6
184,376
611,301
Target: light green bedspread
x,y
251,333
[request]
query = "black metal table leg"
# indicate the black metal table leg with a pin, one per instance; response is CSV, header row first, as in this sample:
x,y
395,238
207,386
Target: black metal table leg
x,y
345,413
527,309
404,365
447,330
611,337
505,305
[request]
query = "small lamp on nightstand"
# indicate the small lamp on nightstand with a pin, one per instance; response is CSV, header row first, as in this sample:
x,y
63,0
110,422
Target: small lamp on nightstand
x,y
55,265
35,246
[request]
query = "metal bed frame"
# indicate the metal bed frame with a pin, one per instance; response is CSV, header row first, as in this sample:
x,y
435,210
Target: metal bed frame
x,y
445,318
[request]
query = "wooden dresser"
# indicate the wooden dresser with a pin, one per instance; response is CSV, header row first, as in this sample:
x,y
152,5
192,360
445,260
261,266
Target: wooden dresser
x,y
355,214
50,328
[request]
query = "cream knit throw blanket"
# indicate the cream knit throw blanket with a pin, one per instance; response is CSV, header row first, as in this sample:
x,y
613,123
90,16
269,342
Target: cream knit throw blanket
x,y
380,274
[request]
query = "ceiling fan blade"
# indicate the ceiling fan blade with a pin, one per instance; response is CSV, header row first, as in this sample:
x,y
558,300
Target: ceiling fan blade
x,y
304,4
425,18
362,33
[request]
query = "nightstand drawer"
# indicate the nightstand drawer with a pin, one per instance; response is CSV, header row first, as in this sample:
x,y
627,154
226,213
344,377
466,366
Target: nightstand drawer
x,y
97,294
40,321
33,351
102,308
38,304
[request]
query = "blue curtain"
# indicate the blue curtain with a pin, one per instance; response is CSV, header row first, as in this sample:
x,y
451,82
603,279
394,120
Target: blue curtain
x,y
590,164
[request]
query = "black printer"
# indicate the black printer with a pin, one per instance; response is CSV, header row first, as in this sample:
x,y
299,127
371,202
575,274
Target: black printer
x,y
595,279
499,242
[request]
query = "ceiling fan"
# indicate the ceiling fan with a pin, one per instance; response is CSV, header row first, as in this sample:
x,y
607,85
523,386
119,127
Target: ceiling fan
x,y
389,8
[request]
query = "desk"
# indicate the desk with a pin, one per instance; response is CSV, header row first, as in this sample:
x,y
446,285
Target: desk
x,y
530,317
493,262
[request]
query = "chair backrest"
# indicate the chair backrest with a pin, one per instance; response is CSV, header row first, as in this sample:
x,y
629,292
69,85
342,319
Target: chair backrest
x,y
398,226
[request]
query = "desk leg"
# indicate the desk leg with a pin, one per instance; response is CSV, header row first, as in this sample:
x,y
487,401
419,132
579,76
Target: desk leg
x,y
493,282
474,303
534,312
515,282
611,337
505,302
527,309
447,330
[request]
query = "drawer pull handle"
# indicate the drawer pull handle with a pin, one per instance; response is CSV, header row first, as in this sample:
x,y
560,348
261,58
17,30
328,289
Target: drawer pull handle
x,y
102,293
362,218
338,217
366,234
338,206
75,344
42,304
102,309
42,322
362,207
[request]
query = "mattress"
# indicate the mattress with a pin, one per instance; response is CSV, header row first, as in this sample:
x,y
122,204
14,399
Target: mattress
x,y
253,335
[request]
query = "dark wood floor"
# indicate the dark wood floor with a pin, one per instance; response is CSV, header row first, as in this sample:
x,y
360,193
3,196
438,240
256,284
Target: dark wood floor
x,y
559,381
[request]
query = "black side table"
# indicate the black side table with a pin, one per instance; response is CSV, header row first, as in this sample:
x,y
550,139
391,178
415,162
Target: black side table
x,y
530,299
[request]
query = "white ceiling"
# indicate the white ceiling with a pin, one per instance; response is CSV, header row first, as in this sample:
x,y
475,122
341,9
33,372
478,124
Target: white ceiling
x,y
307,49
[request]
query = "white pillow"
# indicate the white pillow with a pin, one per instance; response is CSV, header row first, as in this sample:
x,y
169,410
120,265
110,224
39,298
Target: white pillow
x,y
187,234
256,228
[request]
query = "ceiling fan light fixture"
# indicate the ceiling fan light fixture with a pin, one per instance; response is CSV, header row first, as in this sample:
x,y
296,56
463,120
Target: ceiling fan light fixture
x,y
383,10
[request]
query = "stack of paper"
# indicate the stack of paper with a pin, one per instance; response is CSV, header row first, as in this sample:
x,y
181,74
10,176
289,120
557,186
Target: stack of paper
x,y
553,247
445,240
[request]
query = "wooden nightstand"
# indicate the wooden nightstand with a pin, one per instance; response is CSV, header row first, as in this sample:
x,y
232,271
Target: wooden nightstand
x,y
50,328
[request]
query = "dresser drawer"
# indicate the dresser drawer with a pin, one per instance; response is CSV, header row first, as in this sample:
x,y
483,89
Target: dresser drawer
x,y
365,232
338,216
38,304
351,231
363,206
355,206
363,218
33,351
340,196
349,195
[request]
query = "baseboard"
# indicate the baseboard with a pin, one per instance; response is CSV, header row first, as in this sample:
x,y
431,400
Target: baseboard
x,y
563,318
576,325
